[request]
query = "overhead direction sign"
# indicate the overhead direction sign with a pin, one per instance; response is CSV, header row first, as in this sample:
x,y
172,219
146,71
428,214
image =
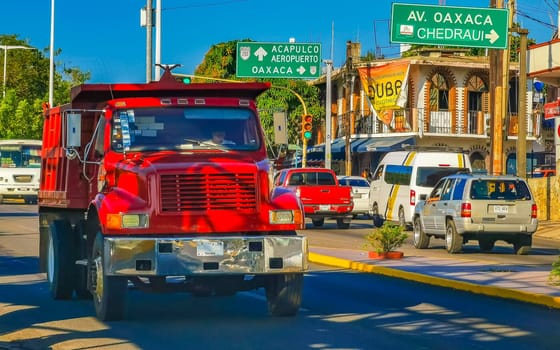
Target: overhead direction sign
x,y
278,60
451,26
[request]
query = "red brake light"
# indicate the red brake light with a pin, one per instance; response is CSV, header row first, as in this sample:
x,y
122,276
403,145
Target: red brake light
x,y
533,211
443,164
412,197
466,210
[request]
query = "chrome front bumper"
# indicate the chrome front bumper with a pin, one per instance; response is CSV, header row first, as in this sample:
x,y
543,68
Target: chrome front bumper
x,y
205,255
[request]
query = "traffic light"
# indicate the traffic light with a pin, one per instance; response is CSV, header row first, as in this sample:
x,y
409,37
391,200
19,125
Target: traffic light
x,y
306,126
186,80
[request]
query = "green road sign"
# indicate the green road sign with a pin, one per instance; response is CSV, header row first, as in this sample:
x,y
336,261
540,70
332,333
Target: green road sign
x,y
451,26
278,60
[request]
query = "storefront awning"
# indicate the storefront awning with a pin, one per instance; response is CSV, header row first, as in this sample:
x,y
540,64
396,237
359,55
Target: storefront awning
x,y
382,144
338,148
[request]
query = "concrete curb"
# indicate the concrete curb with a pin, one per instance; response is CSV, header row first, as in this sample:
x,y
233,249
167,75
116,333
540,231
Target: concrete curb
x,y
533,298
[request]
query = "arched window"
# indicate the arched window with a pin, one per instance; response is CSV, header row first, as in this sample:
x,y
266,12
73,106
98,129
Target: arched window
x,y
476,103
439,93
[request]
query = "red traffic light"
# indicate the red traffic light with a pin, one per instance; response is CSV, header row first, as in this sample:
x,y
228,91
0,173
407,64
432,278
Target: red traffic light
x,y
307,126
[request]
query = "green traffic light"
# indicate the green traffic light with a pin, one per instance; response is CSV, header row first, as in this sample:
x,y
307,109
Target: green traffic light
x,y
187,80
307,135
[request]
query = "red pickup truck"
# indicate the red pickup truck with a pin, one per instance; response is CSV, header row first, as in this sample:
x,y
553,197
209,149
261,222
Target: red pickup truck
x,y
320,193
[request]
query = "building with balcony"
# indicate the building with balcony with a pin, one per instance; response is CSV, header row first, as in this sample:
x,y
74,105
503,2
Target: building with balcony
x,y
437,98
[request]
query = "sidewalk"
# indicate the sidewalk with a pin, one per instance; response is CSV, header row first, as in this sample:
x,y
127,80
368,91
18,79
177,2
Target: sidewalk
x,y
526,283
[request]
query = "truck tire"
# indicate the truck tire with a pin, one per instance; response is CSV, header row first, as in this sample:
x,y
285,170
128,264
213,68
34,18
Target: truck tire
x,y
341,224
523,244
420,238
283,294
453,242
60,263
109,292
318,222
80,284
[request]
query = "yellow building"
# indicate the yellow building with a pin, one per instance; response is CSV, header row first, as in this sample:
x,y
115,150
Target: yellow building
x,y
439,97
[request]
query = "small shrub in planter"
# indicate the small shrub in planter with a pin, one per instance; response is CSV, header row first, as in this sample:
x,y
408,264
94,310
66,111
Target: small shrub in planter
x,y
386,238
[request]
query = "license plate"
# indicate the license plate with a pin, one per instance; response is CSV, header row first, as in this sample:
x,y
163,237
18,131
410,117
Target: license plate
x,y
501,209
324,207
357,195
209,248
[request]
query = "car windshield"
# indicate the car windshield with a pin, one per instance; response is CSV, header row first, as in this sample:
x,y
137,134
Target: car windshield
x,y
20,156
167,128
354,182
499,189
429,176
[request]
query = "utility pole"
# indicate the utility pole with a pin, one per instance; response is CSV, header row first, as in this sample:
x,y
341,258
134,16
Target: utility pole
x,y
498,98
149,64
521,115
158,40
328,112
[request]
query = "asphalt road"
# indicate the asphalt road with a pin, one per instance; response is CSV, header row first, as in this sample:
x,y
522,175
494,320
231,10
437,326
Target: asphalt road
x,y
341,310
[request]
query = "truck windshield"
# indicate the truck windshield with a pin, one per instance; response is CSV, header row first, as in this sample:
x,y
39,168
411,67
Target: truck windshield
x,y
171,128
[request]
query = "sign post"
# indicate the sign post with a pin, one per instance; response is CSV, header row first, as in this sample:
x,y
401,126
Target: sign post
x,y
451,26
278,60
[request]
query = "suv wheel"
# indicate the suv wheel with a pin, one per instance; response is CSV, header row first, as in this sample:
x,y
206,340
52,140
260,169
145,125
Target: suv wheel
x,y
486,245
453,242
522,245
421,239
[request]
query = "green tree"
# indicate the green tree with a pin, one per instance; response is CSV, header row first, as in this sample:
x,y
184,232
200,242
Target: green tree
x,y
27,79
220,62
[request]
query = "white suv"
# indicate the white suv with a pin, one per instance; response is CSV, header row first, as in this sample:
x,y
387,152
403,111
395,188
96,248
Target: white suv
x,y
485,208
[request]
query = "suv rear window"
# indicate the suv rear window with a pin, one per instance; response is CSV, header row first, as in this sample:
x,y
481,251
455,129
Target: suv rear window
x,y
499,189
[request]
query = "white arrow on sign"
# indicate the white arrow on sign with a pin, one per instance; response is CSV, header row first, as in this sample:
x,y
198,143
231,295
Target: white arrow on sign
x,y
260,53
493,36
301,70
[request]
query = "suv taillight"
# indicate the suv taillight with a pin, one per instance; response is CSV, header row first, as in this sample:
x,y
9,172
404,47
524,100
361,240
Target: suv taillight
x,y
466,210
533,211
412,197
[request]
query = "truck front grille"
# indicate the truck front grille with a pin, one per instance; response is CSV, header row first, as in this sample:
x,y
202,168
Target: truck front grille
x,y
196,192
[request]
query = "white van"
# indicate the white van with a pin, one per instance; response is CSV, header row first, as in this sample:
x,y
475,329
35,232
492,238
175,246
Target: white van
x,y
402,177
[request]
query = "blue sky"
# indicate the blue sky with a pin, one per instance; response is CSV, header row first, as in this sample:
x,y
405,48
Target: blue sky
x,y
105,37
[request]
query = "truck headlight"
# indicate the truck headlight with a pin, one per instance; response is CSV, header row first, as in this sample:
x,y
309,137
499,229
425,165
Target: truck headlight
x,y
284,217
117,221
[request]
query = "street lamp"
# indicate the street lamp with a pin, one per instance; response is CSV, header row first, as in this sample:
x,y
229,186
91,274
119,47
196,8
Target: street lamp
x,y
6,48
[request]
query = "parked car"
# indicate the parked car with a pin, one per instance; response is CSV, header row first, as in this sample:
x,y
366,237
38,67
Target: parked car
x,y
320,193
486,208
360,193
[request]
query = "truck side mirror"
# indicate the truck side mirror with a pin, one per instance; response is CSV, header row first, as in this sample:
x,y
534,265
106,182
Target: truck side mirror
x,y
73,130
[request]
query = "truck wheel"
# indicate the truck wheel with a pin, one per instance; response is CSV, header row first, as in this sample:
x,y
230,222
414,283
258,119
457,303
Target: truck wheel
x,y
453,242
341,224
377,220
522,245
60,263
109,292
421,239
318,222
80,284
486,245
283,294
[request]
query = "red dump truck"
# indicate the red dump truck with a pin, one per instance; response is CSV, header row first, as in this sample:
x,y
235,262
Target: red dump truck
x,y
135,190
